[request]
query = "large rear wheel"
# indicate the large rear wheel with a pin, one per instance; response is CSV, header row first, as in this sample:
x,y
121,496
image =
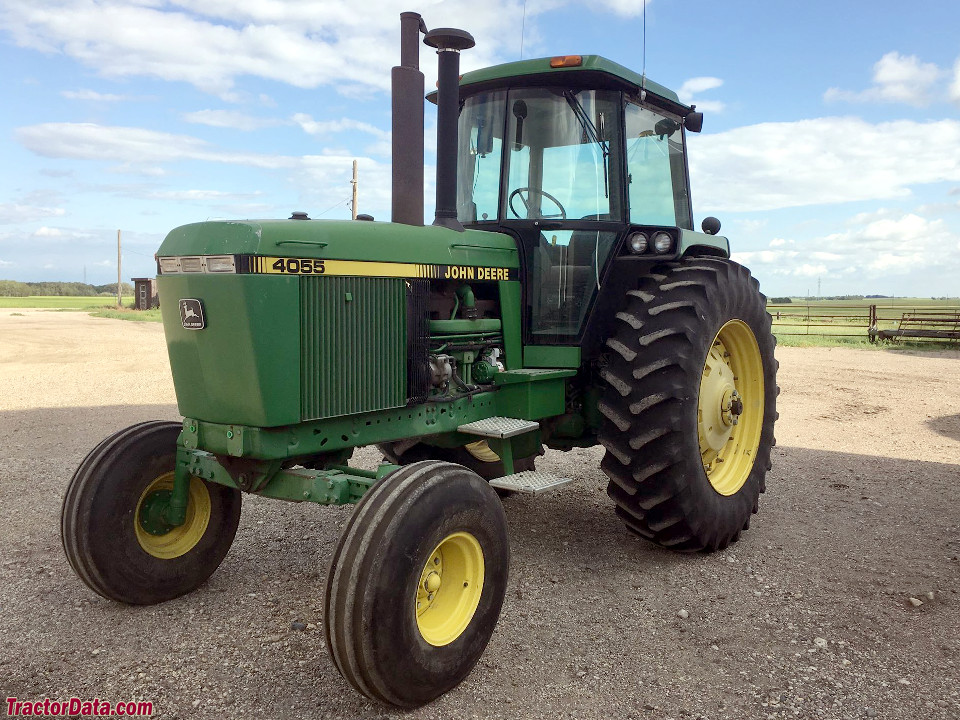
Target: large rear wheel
x,y
690,404
112,526
416,583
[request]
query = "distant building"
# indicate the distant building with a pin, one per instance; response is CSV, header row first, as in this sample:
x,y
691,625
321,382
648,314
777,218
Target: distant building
x,y
145,293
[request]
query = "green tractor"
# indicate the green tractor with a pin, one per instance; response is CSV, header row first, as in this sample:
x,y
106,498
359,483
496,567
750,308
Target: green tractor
x,y
561,299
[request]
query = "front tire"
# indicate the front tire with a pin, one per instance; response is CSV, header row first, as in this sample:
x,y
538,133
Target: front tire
x,y
690,404
416,584
106,539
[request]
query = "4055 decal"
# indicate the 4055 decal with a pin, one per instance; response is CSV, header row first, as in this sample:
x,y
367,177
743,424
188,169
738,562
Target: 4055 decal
x,y
296,266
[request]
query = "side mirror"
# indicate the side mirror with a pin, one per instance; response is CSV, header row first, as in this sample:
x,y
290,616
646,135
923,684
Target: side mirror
x,y
710,225
519,112
665,127
693,121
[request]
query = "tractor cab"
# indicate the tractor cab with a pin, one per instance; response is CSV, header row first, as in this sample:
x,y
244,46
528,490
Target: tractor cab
x,y
571,156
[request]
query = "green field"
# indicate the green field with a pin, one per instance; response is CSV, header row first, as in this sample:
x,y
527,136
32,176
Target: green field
x,y
99,306
58,302
126,313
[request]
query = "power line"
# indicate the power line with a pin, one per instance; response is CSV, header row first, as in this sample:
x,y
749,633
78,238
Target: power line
x,y
334,207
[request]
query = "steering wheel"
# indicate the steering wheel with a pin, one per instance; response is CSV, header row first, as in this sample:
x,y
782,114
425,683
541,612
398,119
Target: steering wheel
x,y
562,215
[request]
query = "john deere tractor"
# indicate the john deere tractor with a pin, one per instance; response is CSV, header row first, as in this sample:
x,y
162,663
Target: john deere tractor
x,y
560,299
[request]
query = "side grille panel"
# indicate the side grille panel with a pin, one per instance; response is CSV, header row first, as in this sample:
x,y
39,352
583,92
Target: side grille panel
x,y
353,344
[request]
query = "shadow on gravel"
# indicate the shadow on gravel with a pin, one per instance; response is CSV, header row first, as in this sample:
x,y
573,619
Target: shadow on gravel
x,y
946,425
591,621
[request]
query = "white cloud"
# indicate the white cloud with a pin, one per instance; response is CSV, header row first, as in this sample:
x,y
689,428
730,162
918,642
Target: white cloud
x,y
93,96
896,78
305,43
11,213
229,119
132,146
897,244
822,161
955,85
327,127
690,90
196,195
47,232
382,145
321,178
626,8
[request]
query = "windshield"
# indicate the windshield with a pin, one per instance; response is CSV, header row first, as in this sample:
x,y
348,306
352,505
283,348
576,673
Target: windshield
x,y
562,145
563,150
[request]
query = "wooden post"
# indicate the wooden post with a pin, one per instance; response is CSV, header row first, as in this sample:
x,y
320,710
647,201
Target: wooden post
x,y
119,301
353,205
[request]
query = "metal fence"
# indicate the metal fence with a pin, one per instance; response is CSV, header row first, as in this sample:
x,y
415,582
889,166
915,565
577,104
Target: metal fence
x,y
866,321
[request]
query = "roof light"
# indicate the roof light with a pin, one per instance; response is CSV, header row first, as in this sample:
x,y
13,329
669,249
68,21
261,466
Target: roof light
x,y
562,61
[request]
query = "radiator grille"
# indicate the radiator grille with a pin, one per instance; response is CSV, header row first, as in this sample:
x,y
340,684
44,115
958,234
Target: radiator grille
x,y
353,345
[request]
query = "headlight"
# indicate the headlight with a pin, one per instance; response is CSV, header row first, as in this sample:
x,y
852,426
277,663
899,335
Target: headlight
x,y
662,242
191,264
638,243
221,264
169,265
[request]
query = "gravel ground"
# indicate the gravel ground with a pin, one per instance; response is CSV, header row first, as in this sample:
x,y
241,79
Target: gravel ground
x,y
809,615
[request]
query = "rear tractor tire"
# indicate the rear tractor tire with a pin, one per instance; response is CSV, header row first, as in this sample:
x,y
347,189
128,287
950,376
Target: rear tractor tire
x,y
416,583
690,404
110,542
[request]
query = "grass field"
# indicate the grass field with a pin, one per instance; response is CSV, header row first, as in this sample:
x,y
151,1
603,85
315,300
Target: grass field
x,y
116,313
99,306
58,302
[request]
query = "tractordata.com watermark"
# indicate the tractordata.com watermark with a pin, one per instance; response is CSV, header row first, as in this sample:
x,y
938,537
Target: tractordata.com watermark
x,y
76,706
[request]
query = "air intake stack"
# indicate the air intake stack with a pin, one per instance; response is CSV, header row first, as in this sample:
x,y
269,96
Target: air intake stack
x,y
448,42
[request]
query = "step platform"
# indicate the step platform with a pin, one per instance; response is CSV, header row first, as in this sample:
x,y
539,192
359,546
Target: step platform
x,y
498,427
530,482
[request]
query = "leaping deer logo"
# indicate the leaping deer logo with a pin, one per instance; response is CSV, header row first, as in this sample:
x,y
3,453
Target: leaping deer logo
x,y
191,314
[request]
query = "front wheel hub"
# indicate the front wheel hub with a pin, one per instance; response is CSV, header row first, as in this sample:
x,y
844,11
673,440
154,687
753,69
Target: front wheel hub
x,y
449,590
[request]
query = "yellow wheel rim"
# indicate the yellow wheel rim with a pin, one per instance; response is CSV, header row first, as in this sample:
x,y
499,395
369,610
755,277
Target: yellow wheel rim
x,y
182,539
449,589
730,408
481,451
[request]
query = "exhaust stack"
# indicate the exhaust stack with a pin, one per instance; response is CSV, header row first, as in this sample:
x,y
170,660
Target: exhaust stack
x,y
448,42
407,101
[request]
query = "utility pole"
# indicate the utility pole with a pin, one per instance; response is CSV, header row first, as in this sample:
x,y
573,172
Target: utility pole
x,y
819,291
118,269
353,205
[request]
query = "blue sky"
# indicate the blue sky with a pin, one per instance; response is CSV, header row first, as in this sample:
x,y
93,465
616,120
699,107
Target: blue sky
x,y
830,151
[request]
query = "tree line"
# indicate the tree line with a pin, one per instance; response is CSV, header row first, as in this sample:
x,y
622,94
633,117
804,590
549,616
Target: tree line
x,y
15,288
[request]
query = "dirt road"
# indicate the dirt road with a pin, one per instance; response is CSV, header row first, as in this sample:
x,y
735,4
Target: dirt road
x,y
808,616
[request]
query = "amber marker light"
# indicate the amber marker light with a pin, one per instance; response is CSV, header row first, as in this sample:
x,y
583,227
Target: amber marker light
x,y
566,61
